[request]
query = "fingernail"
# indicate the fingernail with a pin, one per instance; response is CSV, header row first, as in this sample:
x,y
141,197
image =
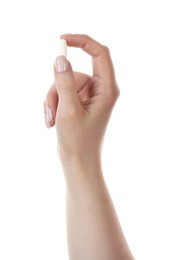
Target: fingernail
x,y
49,113
61,64
48,125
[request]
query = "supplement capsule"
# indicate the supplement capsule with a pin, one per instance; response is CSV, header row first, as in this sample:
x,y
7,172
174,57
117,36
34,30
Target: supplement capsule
x,y
63,47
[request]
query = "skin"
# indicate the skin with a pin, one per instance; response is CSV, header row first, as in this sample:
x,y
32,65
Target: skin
x,y
81,106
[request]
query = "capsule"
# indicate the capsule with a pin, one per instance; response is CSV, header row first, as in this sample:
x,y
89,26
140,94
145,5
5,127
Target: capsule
x,y
63,47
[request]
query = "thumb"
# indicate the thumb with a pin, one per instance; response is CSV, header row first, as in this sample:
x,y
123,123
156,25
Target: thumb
x,y
66,85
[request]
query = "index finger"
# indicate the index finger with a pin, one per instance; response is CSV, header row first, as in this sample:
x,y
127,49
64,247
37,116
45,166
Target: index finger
x,y
102,63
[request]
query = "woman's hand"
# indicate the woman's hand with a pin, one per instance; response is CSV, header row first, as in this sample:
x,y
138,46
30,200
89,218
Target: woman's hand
x,y
80,105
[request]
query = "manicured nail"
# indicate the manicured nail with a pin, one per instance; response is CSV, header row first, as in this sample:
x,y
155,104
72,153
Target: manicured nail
x,y
61,64
47,121
49,113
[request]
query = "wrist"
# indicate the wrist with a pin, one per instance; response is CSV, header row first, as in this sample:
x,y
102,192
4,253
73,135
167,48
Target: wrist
x,y
81,168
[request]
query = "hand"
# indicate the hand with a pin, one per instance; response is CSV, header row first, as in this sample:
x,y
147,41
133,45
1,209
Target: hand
x,y
80,105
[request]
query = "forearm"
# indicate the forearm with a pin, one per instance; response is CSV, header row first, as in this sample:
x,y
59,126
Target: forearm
x,y
93,228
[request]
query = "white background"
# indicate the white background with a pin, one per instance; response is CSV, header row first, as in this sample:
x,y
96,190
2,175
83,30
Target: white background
x,y
140,157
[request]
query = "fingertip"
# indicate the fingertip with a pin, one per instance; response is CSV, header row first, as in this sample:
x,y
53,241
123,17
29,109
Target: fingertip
x,y
50,107
49,123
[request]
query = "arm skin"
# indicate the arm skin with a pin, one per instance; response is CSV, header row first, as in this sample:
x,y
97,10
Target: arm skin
x,y
93,229
80,106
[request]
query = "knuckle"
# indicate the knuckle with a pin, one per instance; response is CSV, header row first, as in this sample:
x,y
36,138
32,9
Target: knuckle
x,y
117,93
86,36
115,96
106,50
112,96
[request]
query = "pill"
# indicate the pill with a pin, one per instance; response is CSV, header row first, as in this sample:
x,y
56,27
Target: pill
x,y
63,47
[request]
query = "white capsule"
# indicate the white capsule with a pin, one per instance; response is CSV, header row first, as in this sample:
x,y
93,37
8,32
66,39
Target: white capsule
x,y
63,47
